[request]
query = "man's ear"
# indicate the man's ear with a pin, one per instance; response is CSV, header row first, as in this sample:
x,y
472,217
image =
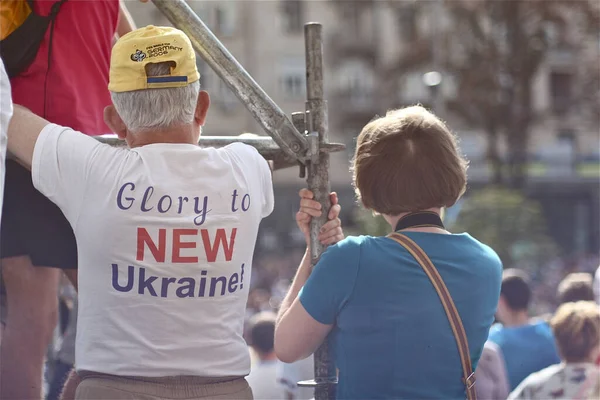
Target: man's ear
x,y
202,107
114,121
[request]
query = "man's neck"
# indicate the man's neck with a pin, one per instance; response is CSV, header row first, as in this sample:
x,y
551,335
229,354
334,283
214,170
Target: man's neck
x,y
517,318
183,134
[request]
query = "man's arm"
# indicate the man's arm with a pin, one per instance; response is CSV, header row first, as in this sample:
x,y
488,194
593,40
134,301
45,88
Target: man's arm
x,y
23,132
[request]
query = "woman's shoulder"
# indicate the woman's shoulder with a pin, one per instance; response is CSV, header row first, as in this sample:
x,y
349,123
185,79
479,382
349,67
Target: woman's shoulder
x,y
480,247
353,247
356,241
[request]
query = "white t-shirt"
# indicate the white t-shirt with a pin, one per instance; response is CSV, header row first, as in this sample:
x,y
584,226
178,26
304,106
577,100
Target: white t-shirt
x,y
165,236
6,111
559,381
263,381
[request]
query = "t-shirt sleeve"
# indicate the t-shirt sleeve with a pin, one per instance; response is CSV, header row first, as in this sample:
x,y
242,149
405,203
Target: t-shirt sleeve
x,y
331,282
268,196
60,166
257,162
495,333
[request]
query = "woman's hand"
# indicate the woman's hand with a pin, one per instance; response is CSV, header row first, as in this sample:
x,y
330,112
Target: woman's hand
x,y
331,232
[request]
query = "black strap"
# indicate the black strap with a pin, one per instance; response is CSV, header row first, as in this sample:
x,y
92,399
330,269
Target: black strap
x,y
52,16
421,219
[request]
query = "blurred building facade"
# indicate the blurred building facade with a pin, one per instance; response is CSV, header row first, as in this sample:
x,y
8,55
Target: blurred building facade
x,y
364,40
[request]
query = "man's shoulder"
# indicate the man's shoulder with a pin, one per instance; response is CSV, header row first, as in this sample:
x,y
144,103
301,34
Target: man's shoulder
x,y
247,156
241,148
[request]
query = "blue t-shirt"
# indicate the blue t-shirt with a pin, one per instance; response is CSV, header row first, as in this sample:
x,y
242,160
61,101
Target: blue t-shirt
x,y
526,349
391,337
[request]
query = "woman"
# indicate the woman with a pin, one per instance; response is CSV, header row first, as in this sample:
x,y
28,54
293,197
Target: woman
x,y
576,328
389,332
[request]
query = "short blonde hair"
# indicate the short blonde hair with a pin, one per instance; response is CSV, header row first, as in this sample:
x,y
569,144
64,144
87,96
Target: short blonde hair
x,y
408,161
576,328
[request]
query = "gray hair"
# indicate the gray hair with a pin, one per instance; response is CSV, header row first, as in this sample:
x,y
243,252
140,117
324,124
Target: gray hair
x,y
157,108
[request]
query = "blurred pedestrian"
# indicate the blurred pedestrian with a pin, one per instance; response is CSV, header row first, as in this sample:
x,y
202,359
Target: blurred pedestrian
x,y
389,329
577,286
527,346
290,374
576,326
262,378
491,378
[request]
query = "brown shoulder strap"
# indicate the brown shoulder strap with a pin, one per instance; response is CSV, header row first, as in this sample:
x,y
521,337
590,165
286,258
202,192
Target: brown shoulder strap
x,y
451,311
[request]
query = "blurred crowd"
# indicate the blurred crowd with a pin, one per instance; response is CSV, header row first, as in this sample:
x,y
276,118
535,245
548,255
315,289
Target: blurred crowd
x,y
544,345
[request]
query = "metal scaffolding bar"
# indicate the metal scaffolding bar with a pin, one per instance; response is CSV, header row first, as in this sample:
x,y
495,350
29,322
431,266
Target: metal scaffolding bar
x,y
273,120
265,145
318,182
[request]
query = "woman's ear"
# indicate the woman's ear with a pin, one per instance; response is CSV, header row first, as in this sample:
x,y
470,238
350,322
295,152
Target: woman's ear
x,y
114,121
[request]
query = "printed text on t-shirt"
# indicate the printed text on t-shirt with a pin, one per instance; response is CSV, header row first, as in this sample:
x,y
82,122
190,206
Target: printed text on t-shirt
x,y
186,245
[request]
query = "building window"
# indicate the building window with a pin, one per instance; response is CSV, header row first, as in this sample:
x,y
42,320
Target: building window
x,y
567,143
356,83
224,98
292,78
292,86
293,15
204,71
224,18
351,15
560,91
407,22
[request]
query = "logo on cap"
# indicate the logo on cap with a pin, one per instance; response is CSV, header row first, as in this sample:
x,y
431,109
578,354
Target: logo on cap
x,y
138,56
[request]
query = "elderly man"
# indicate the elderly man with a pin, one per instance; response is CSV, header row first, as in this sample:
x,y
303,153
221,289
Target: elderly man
x,y
165,229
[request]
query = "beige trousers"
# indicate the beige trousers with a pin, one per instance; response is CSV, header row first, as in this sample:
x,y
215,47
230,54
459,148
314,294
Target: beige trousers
x,y
96,386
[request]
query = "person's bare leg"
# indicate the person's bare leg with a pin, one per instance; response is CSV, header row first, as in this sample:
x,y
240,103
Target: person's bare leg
x,y
68,392
71,274
32,303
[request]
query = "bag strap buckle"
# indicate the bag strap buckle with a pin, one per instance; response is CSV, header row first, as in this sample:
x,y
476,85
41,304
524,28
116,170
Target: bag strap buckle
x,y
470,381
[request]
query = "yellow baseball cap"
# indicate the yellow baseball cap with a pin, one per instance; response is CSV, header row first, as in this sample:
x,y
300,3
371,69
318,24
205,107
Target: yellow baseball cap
x,y
151,44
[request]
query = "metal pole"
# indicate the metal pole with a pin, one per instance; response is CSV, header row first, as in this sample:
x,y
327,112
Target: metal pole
x,y
318,182
265,145
273,120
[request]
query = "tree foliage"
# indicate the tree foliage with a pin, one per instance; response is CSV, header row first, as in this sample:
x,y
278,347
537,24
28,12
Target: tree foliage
x,y
511,224
501,48
493,50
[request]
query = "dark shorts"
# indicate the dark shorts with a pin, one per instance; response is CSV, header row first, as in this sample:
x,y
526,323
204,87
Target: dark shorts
x,y
32,225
